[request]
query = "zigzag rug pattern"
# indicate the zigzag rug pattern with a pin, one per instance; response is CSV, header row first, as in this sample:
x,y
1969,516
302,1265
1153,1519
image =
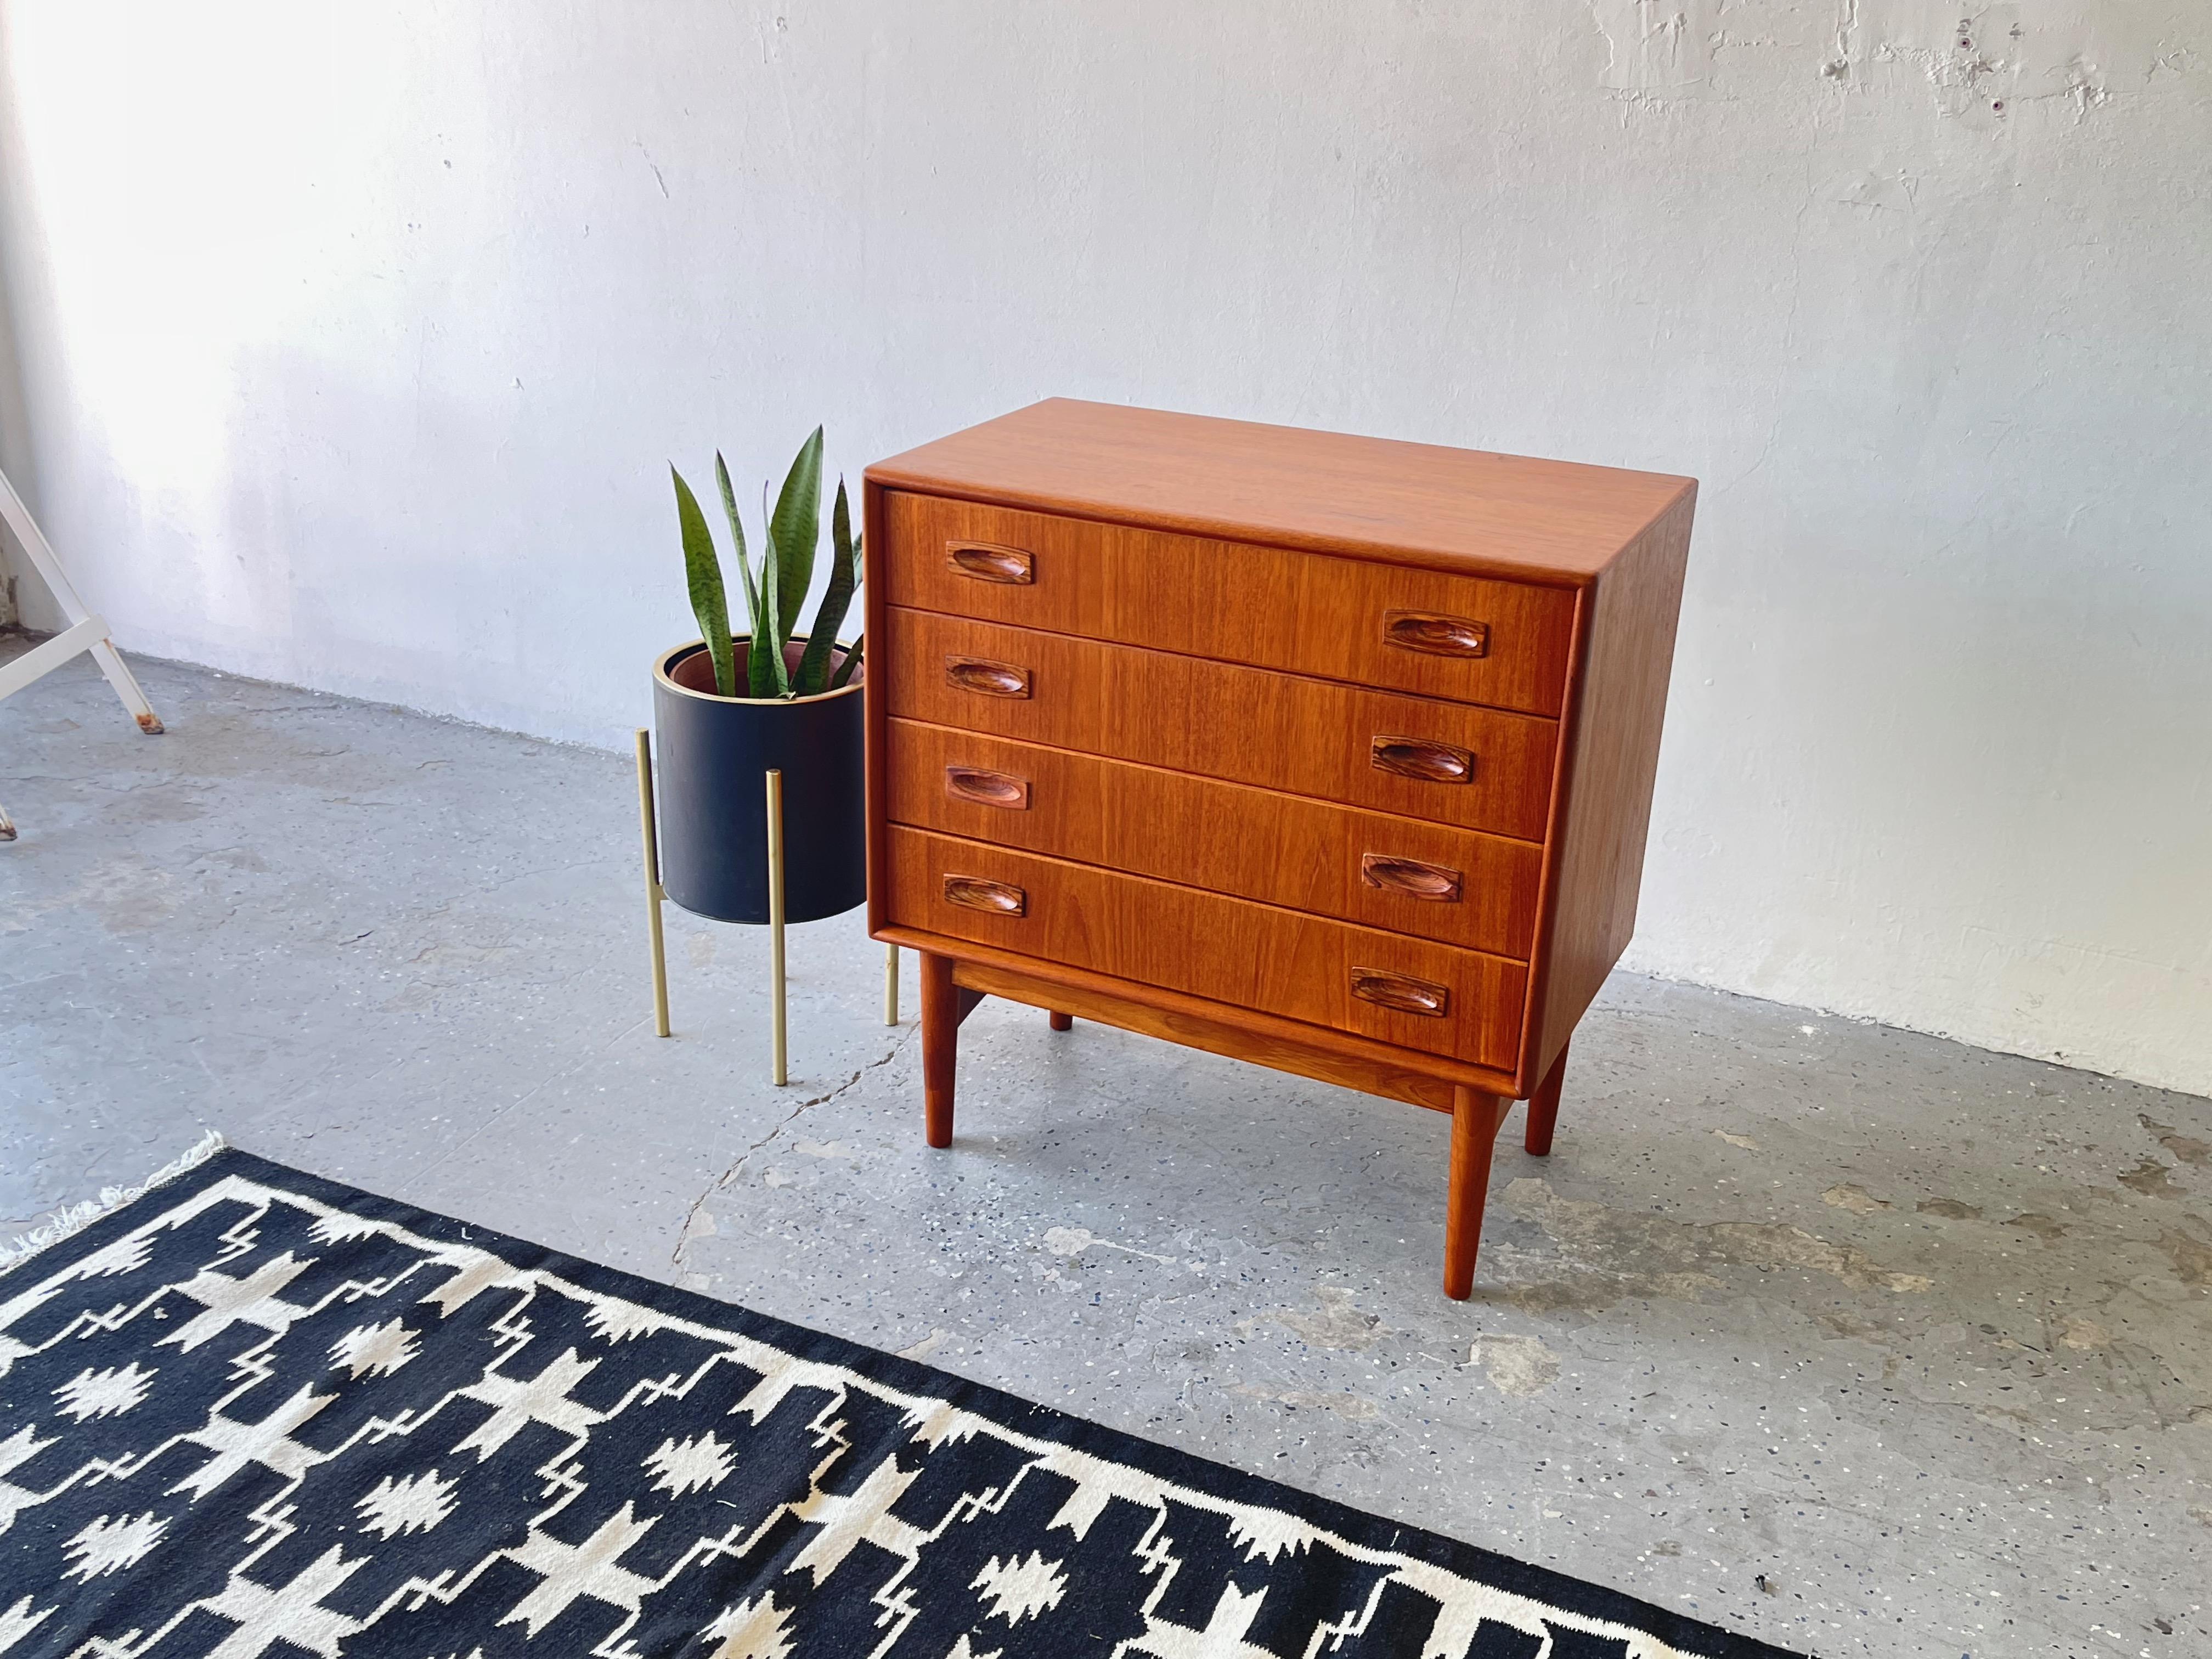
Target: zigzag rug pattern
x,y
256,1414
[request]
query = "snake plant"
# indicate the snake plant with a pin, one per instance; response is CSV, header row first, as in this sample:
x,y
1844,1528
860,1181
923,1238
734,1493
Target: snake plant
x,y
773,597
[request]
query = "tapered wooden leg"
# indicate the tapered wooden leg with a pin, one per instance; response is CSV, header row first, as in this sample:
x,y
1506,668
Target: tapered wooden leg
x,y
1475,1117
941,1043
1544,1108
1061,1022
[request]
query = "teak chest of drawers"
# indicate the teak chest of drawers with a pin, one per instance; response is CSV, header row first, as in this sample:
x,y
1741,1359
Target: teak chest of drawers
x,y
1325,752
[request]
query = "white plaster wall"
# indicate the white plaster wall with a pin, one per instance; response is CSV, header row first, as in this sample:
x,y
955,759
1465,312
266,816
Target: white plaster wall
x,y
354,341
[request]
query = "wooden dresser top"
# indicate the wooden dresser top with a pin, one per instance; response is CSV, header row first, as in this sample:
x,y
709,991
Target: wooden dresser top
x,y
1464,510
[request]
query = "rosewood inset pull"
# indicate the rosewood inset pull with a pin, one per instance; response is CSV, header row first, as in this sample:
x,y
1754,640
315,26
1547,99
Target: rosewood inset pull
x,y
1411,877
1418,758
996,898
993,679
1437,635
987,563
987,788
1401,992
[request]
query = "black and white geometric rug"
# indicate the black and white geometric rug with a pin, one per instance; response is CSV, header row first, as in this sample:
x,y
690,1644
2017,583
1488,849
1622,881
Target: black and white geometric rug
x,y
258,1415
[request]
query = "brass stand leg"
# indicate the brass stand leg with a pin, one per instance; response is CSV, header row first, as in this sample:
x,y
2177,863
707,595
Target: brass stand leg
x,y
778,1056
891,985
940,1039
1476,1118
653,893
1544,1108
1060,1022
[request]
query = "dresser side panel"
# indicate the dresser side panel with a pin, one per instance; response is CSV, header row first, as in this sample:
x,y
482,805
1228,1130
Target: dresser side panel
x,y
1617,708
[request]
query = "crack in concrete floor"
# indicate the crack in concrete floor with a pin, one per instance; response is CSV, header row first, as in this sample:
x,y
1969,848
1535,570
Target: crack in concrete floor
x,y
694,1216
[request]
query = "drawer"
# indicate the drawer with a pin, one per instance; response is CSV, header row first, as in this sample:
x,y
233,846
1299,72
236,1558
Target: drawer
x,y
1402,874
1468,638
1403,991
1452,763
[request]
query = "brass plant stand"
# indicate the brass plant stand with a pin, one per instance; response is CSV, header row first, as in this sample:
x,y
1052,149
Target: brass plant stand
x,y
779,1043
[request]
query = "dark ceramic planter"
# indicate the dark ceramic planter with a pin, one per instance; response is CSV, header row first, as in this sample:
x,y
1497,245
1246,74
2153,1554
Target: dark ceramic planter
x,y
715,754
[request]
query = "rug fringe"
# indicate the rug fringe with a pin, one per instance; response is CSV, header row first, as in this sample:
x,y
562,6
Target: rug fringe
x,y
76,1218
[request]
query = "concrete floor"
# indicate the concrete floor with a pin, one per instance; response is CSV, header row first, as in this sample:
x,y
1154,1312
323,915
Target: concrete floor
x,y
1862,1341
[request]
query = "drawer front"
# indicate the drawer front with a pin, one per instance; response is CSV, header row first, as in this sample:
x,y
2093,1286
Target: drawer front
x,y
1466,638
1409,991
1409,877
1451,762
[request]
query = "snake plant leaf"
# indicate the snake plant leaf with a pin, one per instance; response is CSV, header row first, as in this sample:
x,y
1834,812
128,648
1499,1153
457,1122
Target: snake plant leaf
x,y
738,540
765,669
814,665
796,528
702,571
852,661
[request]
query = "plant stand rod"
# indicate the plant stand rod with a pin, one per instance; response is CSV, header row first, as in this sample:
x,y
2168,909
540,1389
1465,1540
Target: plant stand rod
x,y
777,1055
891,985
653,895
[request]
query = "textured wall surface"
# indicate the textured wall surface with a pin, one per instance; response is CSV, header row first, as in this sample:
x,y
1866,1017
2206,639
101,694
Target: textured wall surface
x,y
353,345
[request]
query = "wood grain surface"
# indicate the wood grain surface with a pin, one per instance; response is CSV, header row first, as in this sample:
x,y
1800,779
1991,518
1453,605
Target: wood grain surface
x,y
1289,1035
1282,731
1226,950
1331,753
1463,510
1476,1120
1390,1077
1372,868
1603,816
1345,619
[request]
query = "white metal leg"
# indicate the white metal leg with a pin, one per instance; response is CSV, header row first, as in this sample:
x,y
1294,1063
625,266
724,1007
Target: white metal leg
x,y
126,684
85,632
43,559
42,660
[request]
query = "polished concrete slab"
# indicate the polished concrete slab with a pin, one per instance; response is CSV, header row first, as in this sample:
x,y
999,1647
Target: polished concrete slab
x,y
1863,1341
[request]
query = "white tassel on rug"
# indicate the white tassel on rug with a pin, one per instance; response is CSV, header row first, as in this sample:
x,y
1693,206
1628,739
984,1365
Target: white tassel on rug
x,y
76,1218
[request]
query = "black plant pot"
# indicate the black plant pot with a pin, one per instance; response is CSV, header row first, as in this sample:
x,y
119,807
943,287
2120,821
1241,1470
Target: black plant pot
x,y
715,754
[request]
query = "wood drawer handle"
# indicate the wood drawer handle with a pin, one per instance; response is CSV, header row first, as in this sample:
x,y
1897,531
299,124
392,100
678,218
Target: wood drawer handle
x,y
993,679
1411,877
1400,991
1437,635
1418,758
989,563
996,898
987,788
